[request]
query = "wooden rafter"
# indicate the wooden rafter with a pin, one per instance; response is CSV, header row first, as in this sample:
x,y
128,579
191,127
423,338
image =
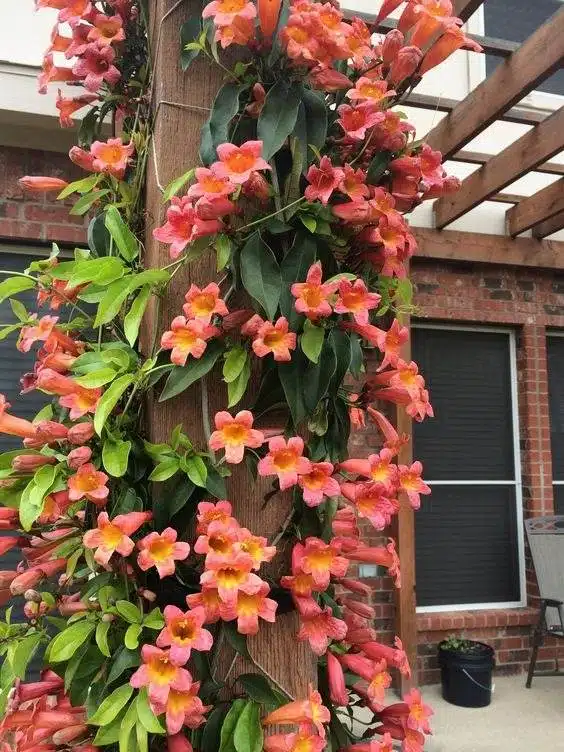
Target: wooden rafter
x,y
475,157
536,208
466,8
513,79
533,148
554,224
480,248
514,115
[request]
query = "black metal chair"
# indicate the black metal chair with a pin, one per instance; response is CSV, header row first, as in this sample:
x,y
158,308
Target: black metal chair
x,y
546,541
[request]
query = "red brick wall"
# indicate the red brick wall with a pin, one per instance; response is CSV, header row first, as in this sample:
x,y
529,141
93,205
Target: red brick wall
x,y
531,301
36,218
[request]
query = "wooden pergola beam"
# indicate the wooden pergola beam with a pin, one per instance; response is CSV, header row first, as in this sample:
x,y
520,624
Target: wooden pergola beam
x,y
535,209
535,60
476,157
554,224
466,8
513,115
479,248
533,148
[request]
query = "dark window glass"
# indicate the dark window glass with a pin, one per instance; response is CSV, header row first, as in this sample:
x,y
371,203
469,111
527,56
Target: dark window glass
x,y
471,436
515,20
466,537
466,546
555,357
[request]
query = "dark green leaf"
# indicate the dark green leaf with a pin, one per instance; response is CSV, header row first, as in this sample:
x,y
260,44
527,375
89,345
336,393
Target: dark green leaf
x,y
292,378
111,706
316,119
173,501
124,659
318,377
181,377
215,484
378,167
189,32
248,735
216,130
278,117
341,344
237,641
98,236
212,730
261,274
258,688
294,268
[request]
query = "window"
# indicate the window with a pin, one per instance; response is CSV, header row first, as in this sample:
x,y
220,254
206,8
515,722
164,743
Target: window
x,y
515,20
555,357
469,532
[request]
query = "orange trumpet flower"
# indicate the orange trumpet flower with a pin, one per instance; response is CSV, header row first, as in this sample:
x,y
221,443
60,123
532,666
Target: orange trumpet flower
x,y
268,13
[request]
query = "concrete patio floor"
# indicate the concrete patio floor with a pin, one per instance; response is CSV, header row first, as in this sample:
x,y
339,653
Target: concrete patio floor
x,y
518,719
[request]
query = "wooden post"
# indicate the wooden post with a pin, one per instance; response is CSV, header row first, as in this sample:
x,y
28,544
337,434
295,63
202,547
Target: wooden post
x,y
403,530
181,104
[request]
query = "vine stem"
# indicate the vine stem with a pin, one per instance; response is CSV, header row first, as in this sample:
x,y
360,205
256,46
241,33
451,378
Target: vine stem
x,y
283,527
206,410
268,216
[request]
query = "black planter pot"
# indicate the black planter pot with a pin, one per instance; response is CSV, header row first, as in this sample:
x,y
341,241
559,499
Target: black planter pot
x,y
466,675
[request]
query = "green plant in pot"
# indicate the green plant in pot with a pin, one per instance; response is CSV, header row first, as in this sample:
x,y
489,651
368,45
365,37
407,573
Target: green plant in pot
x,y
466,671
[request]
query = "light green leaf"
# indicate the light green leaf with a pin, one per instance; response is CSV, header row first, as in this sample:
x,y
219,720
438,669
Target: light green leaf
x,y
147,718
65,644
111,706
196,470
248,735
133,317
15,285
107,735
237,388
177,184
154,619
127,725
309,222
22,651
312,340
129,611
235,360
7,330
102,630
79,186
229,725
94,379
109,400
115,455
101,271
142,738
85,202
165,470
125,240
19,310
132,633
111,303
261,274
222,246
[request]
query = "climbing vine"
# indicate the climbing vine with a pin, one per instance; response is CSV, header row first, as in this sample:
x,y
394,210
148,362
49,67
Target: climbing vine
x,y
135,570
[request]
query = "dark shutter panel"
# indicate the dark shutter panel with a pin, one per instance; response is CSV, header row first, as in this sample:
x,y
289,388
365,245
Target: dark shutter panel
x,y
558,499
471,435
555,357
466,546
515,20
466,536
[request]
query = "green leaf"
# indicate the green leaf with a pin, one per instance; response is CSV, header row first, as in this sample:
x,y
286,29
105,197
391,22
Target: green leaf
x,y
229,725
216,130
94,379
258,688
102,271
318,376
102,630
261,274
142,738
115,456
236,389
215,484
235,360
315,117
294,268
248,735
181,377
223,247
237,640
341,344
79,186
278,117
126,242
189,32
109,400
67,642
7,330
111,706
196,470
21,652
212,729
85,202
177,184
312,340
128,723
124,659
292,378
147,718
131,638
19,310
154,619
15,285
309,222
111,303
129,611
165,470
378,167
98,236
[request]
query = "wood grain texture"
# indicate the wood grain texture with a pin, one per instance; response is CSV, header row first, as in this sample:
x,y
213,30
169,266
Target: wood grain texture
x,y
477,247
176,140
554,224
535,60
476,157
443,104
403,530
533,148
465,8
535,209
